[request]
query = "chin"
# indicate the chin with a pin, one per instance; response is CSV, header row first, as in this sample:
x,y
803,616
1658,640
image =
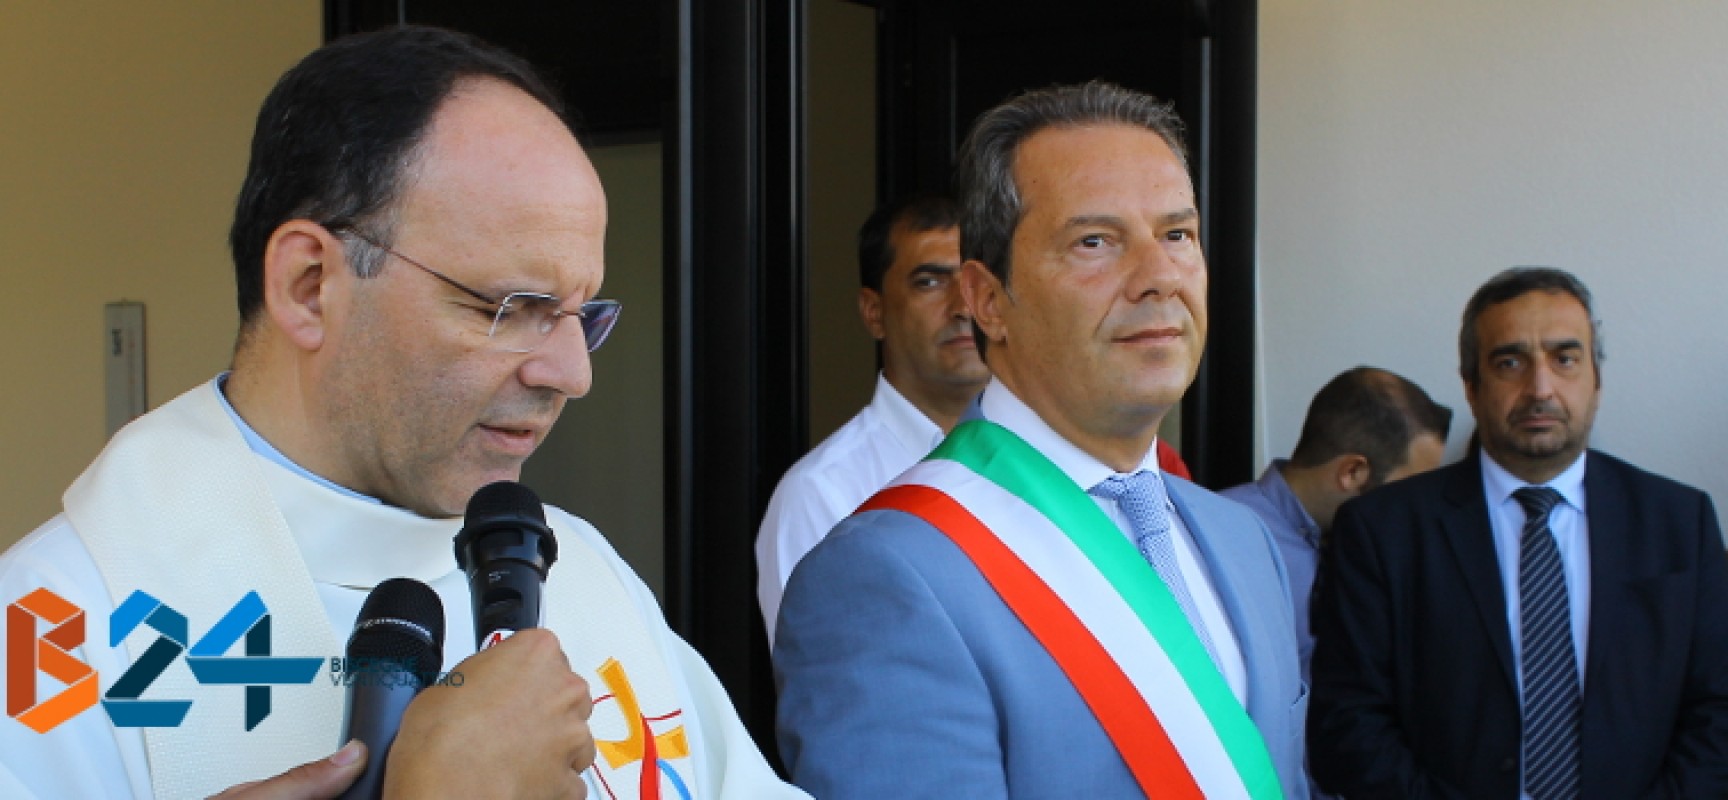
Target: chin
x,y
1162,393
453,502
1538,450
486,479
1143,409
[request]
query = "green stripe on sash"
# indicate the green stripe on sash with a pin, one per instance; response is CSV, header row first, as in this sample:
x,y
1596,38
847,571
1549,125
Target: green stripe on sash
x,y
1005,459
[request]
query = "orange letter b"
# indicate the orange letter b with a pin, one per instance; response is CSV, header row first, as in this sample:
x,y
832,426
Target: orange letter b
x,y
51,654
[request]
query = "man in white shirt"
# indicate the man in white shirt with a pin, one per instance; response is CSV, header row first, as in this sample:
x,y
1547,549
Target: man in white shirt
x,y
418,247
908,257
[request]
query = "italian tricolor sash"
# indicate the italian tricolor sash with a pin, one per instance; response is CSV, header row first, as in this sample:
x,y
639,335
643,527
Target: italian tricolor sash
x,y
1096,606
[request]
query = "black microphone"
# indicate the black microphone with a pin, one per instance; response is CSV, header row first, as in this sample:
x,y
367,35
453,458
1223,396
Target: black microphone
x,y
506,549
396,649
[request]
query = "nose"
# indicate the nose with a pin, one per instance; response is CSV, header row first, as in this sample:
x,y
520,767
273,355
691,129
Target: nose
x,y
1154,272
1541,383
560,363
957,301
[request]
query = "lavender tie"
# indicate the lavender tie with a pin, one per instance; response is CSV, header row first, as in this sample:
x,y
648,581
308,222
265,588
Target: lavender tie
x,y
1143,501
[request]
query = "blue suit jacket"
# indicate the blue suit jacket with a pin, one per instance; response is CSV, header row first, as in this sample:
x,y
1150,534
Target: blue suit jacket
x,y
902,673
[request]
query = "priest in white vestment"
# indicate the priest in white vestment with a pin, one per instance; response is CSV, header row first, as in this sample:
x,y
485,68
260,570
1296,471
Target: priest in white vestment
x,y
416,226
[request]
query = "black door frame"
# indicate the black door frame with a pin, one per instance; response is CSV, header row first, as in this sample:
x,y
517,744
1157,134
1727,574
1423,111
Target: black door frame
x,y
1218,415
736,320
733,83
918,131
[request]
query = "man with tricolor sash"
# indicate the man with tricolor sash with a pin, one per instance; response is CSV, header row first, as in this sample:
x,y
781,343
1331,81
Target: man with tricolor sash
x,y
1035,610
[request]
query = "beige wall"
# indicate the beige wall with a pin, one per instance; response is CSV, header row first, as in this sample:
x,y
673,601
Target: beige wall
x,y
604,461
1408,151
842,155
123,139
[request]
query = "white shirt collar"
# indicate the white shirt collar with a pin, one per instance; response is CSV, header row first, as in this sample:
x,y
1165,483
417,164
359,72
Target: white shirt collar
x,y
1002,407
909,425
1498,484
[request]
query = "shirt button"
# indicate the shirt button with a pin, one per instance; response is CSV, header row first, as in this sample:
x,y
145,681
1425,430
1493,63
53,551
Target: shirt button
x,y
1508,765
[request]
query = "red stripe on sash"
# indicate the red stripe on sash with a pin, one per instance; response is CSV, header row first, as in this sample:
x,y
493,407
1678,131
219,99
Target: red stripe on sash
x,y
1121,711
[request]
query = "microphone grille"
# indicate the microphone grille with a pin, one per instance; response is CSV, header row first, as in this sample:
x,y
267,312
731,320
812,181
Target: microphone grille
x,y
402,620
505,499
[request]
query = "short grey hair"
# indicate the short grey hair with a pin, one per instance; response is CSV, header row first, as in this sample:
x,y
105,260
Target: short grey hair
x,y
990,207
1511,284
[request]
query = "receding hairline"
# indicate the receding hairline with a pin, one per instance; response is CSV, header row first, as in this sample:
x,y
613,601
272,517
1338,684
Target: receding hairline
x,y
1587,342
445,153
1018,155
901,234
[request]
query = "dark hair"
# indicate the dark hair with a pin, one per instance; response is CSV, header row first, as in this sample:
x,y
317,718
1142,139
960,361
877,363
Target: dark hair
x,y
337,137
990,206
1511,284
1372,413
919,212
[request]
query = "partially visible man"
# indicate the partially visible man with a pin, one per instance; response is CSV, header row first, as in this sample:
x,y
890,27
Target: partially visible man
x,y
1035,610
1366,427
1540,620
908,260
418,247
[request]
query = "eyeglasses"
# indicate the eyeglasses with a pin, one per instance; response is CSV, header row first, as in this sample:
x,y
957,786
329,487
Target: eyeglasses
x,y
524,320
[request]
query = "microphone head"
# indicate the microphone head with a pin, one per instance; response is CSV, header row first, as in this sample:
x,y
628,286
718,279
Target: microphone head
x,y
501,499
507,506
402,620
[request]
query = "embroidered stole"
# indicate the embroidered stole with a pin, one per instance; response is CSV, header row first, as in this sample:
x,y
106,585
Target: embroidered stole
x,y
1096,606
178,506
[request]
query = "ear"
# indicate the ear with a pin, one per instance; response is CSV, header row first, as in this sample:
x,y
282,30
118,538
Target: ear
x,y
299,261
1350,473
870,308
986,298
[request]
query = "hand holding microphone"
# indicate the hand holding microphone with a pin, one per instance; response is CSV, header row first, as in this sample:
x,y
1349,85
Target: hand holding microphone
x,y
514,725
517,726
518,723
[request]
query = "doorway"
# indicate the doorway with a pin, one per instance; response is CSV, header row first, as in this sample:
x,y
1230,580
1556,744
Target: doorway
x,y
709,104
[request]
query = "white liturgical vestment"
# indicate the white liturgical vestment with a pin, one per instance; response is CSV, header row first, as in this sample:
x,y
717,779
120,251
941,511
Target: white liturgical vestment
x,y
177,506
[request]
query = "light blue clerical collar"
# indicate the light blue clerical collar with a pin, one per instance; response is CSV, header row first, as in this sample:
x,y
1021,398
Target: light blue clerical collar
x,y
268,450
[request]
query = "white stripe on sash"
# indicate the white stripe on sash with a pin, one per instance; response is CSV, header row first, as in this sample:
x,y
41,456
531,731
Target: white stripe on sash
x,y
1070,574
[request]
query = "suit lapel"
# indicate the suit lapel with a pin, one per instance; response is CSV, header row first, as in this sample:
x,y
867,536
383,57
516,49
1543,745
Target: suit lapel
x,y
1614,564
1470,538
1223,557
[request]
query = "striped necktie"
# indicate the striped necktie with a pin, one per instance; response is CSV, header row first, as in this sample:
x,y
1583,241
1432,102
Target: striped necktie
x,y
1550,663
1143,501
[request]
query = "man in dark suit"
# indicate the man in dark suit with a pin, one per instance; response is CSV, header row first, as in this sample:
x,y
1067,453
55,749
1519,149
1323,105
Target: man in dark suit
x,y
1539,620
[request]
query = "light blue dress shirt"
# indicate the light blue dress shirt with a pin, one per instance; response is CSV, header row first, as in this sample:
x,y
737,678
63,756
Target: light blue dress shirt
x,y
1298,538
268,450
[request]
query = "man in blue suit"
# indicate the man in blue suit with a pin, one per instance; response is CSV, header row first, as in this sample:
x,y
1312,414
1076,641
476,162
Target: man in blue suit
x,y
1035,610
